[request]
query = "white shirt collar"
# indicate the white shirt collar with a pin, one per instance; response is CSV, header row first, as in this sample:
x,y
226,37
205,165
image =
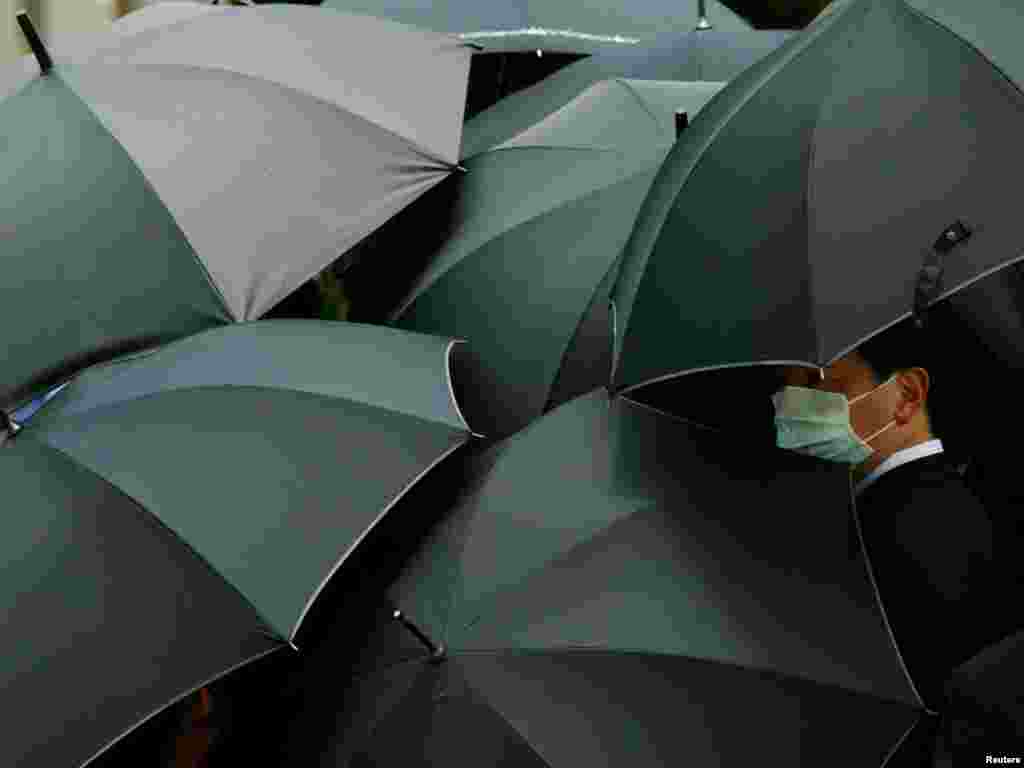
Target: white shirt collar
x,y
919,451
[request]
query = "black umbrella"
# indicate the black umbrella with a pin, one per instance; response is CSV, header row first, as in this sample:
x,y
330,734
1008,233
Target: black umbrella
x,y
884,149
604,592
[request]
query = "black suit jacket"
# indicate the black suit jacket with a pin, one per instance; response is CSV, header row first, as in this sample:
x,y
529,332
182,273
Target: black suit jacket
x,y
931,545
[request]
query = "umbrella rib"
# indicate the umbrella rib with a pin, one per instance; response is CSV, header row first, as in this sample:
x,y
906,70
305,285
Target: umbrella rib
x,y
621,81
807,228
425,186
152,351
148,514
881,607
719,367
467,529
427,282
186,694
506,147
615,267
583,650
807,209
899,743
673,416
639,505
579,324
431,161
147,184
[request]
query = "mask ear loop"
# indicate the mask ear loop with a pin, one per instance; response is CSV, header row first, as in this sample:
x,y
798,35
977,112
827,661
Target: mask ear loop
x,y
861,396
867,440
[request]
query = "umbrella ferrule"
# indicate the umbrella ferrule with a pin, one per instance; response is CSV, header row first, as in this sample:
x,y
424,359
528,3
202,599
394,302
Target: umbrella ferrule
x,y
437,651
682,122
34,42
8,426
702,16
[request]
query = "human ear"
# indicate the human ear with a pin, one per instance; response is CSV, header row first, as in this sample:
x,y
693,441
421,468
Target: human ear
x,y
913,387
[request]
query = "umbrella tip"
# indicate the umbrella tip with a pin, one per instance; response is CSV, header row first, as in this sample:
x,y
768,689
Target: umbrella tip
x,y
34,42
8,426
702,16
436,649
682,122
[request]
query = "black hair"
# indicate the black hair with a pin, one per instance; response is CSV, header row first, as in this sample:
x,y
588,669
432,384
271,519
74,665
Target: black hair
x,y
900,348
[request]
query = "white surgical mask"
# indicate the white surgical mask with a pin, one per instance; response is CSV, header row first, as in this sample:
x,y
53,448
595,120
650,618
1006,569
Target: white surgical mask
x,y
817,423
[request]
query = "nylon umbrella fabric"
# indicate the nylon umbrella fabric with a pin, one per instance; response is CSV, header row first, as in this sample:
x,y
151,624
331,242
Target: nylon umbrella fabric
x,y
168,181
610,587
540,222
873,135
173,515
715,55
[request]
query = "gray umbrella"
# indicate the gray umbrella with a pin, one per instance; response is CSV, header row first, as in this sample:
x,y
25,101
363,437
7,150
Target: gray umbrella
x,y
197,164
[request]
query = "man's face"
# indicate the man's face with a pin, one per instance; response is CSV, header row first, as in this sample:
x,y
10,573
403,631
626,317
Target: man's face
x,y
851,376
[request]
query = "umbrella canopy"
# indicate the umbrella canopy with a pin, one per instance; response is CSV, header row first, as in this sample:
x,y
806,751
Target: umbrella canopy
x,y
879,191
579,26
169,181
605,592
172,515
716,55
539,222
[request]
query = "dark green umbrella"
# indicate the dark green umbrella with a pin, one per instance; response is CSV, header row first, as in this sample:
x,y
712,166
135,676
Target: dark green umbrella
x,y
538,223
161,180
858,174
172,516
717,54
616,587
